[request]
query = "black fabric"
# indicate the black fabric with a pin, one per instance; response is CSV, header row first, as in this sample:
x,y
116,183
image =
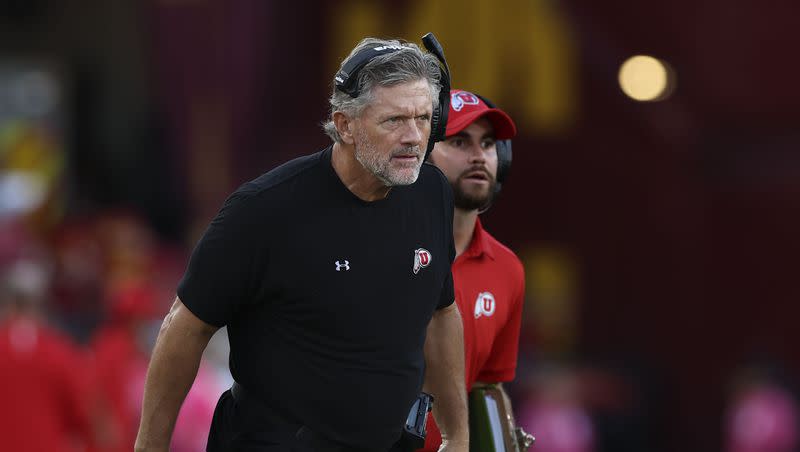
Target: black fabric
x,y
339,351
248,427
228,435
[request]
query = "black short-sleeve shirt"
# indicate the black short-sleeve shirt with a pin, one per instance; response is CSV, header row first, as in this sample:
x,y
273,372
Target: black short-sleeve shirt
x,y
327,297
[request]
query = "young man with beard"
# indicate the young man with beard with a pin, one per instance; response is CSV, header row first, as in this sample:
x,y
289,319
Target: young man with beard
x,y
332,273
488,277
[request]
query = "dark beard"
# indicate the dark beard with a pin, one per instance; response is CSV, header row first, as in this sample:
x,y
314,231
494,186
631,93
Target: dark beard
x,y
467,201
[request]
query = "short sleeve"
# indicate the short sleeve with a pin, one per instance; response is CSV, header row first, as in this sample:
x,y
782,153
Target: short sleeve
x,y
448,294
502,363
224,268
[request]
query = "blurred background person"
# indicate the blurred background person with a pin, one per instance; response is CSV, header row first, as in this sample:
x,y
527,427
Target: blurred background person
x,y
136,274
44,379
121,350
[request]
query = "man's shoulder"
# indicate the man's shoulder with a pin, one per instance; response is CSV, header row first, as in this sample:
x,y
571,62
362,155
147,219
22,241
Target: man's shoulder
x,y
431,174
432,184
274,189
278,176
502,253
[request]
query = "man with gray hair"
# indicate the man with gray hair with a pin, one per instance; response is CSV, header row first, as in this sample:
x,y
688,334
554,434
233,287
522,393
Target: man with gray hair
x,y
332,274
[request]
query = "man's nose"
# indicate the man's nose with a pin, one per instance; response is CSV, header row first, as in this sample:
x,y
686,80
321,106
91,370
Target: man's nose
x,y
413,135
476,153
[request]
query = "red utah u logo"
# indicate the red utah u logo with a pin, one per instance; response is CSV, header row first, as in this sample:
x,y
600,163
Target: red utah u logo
x,y
484,305
422,258
460,98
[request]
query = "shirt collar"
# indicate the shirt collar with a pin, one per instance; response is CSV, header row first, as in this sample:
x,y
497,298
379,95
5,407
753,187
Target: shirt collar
x,y
479,244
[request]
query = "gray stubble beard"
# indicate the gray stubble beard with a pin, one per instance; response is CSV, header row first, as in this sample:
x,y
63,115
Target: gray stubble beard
x,y
370,159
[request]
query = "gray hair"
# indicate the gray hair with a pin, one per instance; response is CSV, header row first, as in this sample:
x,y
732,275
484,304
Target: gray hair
x,y
406,65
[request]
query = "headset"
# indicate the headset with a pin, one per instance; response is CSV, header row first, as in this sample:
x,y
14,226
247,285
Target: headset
x,y
346,81
503,153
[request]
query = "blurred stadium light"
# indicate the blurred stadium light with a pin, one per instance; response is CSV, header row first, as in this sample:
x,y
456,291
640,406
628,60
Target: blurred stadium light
x,y
645,78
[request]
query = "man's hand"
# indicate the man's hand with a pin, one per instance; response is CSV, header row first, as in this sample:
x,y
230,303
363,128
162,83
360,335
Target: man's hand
x,y
454,446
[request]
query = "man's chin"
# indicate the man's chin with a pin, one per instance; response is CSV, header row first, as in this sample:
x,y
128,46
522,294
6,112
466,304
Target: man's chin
x,y
467,201
470,206
397,182
404,175
477,194
399,178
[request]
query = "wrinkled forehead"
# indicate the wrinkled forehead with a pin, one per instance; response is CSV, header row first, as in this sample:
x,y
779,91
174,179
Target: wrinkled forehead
x,y
407,97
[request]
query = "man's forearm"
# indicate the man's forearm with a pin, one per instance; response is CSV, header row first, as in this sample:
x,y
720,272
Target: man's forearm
x,y
444,377
173,368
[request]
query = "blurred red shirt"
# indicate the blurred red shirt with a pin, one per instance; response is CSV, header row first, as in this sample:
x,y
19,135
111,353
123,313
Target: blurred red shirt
x,y
44,389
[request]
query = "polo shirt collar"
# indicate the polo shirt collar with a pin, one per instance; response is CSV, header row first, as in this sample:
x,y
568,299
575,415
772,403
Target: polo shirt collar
x,y
479,244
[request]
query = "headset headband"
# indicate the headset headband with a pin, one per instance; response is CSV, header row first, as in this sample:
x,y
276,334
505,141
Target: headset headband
x,y
347,78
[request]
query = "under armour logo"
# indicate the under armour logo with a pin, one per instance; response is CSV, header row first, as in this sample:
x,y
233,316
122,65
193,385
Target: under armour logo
x,y
340,266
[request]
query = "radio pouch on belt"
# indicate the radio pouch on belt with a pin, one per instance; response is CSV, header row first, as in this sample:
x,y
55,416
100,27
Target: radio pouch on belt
x,y
414,431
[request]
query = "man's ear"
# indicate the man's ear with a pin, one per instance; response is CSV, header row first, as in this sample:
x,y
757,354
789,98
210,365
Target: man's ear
x,y
344,125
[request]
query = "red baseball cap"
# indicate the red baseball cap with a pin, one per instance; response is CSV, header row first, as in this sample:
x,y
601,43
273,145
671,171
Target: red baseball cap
x,y
466,107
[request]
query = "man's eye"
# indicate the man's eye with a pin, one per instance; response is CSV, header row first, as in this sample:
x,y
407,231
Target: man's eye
x,y
488,143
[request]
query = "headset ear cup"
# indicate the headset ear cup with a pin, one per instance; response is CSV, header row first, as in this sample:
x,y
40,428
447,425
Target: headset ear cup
x,y
440,113
435,121
504,156
503,152
436,124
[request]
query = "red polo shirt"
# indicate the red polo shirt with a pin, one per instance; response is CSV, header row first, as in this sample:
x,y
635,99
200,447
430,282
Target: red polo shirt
x,y
43,386
490,286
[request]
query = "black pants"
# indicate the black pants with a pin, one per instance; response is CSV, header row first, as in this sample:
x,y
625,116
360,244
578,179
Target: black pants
x,y
239,426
